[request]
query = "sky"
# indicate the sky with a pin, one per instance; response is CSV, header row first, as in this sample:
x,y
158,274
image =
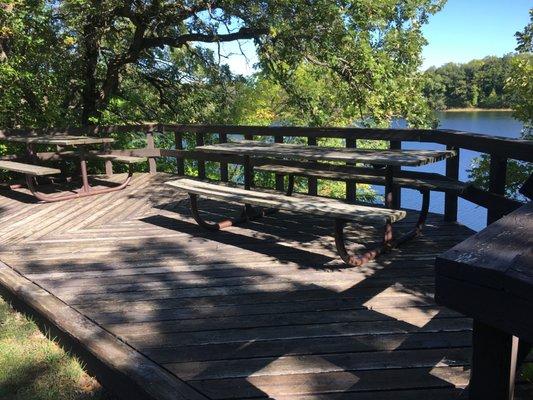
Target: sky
x,y
463,30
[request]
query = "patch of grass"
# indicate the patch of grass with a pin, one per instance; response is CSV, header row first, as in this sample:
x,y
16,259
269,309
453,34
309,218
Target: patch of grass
x,y
32,367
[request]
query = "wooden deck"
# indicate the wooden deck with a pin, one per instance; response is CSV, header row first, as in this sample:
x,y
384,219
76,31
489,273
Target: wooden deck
x,y
263,310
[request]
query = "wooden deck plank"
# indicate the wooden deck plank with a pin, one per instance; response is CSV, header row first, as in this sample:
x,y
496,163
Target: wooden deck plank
x,y
260,310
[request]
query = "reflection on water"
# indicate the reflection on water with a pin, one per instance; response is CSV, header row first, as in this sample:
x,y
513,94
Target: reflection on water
x,y
497,123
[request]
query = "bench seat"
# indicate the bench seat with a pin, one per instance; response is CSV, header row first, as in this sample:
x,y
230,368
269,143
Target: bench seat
x,y
119,158
303,204
105,156
408,179
28,169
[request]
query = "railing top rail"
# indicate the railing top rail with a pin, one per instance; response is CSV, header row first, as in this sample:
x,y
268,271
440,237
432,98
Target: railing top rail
x,y
519,149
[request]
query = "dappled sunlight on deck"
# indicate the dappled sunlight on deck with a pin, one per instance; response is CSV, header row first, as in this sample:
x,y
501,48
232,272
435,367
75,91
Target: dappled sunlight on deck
x,y
265,309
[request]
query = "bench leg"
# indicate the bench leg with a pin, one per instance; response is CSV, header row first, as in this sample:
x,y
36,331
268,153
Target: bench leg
x,y
74,195
247,213
356,260
494,358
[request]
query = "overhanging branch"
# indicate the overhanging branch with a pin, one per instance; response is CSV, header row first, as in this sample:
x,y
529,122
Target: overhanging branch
x,y
243,33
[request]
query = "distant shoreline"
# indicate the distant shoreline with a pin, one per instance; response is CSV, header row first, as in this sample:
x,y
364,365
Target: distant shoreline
x,y
477,110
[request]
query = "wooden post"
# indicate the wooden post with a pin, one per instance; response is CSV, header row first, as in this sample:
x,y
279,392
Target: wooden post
x,y
108,163
451,199
248,136
201,163
497,179
351,186
224,175
396,190
312,183
494,356
280,185
152,167
178,144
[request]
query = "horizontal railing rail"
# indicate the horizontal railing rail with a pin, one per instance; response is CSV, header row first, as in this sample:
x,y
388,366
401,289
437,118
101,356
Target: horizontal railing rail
x,y
500,150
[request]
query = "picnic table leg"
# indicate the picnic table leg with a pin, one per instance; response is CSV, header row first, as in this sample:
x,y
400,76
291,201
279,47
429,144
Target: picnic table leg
x,y
389,242
84,176
494,358
389,190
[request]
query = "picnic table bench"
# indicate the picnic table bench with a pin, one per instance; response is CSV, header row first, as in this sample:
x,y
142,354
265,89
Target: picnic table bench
x,y
27,169
31,171
336,209
489,277
408,179
343,213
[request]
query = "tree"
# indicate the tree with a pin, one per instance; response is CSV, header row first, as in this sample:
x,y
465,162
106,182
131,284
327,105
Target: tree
x,y
524,39
115,53
519,87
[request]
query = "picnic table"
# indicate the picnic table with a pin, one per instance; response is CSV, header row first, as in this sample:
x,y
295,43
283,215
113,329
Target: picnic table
x,y
62,142
251,150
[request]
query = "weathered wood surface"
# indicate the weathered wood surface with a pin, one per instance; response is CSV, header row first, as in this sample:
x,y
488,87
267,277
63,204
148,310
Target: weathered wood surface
x,y
410,179
59,140
28,169
302,204
119,158
489,277
304,152
488,258
261,310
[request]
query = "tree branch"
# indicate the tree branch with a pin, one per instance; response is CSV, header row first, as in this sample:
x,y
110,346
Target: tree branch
x,y
243,33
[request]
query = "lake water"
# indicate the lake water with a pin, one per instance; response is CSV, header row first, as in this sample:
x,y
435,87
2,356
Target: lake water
x,y
498,123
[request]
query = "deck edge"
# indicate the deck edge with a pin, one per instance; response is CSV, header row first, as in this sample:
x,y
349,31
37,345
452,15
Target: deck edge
x,y
118,367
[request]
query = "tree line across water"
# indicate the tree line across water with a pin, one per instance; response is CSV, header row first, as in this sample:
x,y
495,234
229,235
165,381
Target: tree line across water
x,y
481,83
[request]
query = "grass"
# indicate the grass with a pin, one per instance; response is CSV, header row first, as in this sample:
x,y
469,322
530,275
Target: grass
x,y
32,367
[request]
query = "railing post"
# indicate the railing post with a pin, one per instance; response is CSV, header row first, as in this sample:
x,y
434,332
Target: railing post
x,y
280,185
201,163
178,145
451,199
497,179
224,175
351,186
152,167
396,190
312,182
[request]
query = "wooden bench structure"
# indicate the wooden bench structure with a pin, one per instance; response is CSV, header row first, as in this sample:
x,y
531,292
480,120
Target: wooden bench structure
x,y
28,169
407,179
338,210
31,170
489,277
105,156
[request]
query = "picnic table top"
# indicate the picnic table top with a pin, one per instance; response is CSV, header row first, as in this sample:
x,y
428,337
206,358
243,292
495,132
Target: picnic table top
x,y
59,140
319,153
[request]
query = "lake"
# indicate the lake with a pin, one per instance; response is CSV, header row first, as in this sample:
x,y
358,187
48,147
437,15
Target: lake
x,y
497,123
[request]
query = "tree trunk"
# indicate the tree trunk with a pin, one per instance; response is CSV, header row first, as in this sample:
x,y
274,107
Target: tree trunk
x,y
91,48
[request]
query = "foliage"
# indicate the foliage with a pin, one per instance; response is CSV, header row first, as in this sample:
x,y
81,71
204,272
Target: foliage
x,y
478,83
519,83
86,61
362,57
35,65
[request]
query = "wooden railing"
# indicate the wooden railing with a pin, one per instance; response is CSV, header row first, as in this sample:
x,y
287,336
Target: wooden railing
x,y
500,151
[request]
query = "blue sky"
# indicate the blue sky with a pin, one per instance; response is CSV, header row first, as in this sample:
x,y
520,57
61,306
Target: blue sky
x,y
462,31
469,29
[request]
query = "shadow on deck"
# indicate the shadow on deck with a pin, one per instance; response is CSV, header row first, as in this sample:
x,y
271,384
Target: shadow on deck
x,y
263,310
